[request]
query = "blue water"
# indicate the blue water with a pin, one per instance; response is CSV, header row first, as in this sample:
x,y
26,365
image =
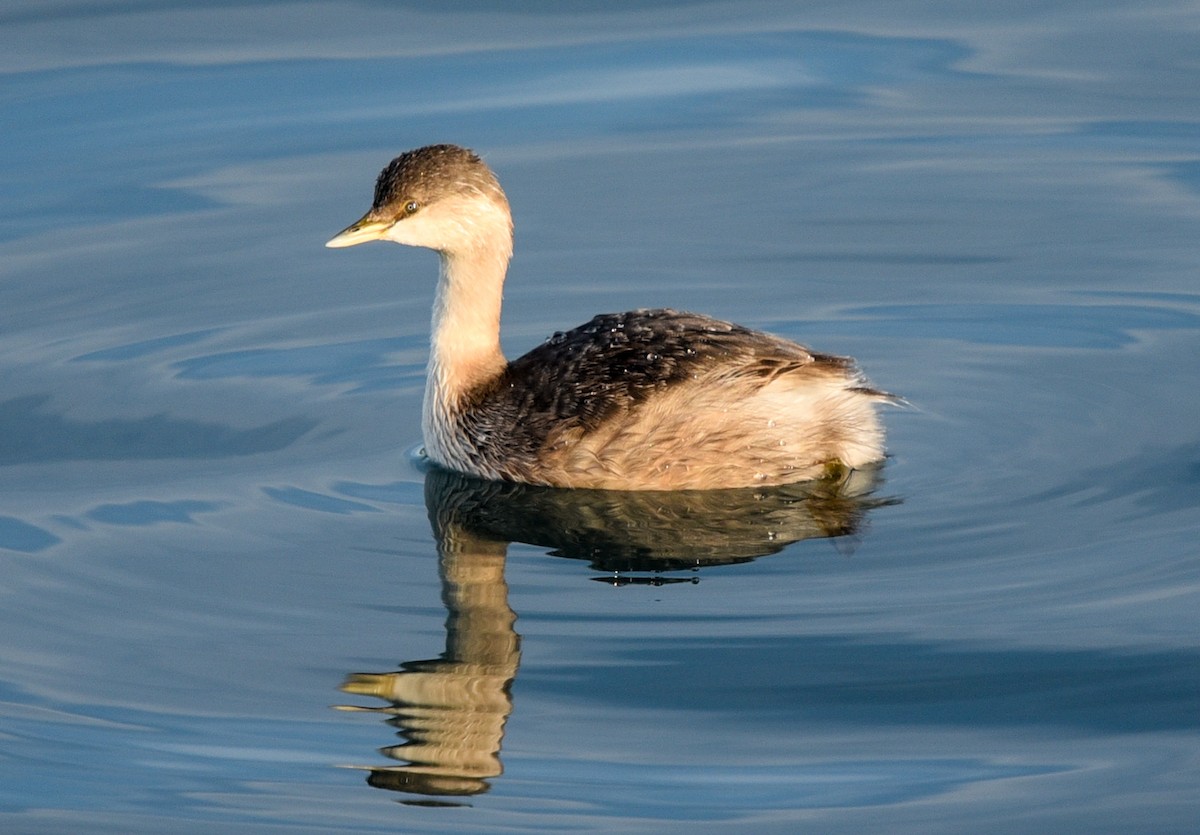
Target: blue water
x,y
233,599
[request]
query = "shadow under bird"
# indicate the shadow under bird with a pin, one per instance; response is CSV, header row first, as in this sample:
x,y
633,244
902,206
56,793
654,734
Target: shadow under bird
x,y
642,400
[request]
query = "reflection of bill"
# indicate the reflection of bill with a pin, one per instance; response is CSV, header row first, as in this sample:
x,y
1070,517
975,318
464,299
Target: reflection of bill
x,y
451,711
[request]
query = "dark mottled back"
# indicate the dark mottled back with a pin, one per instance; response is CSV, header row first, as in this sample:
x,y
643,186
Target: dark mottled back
x,y
580,378
429,174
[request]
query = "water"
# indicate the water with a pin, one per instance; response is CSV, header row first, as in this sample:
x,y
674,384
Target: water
x,y
213,529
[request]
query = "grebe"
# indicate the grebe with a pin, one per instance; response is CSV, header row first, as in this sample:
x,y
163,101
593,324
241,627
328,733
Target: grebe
x,y
644,400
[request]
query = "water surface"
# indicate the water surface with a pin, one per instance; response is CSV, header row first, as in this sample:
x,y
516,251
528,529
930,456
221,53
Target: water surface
x,y
234,600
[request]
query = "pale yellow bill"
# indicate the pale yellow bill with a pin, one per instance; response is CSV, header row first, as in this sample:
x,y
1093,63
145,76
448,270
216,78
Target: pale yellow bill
x,y
366,228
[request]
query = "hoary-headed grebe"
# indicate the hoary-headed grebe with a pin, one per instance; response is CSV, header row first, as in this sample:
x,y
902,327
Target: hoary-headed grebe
x,y
644,400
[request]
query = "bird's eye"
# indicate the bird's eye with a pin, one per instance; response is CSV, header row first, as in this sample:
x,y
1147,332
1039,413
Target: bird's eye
x,y
410,208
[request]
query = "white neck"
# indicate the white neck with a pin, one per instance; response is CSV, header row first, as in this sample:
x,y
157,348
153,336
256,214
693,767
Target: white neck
x,y
465,348
474,240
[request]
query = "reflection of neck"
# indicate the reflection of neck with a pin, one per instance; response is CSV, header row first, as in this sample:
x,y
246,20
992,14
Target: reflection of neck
x,y
461,702
452,711
479,629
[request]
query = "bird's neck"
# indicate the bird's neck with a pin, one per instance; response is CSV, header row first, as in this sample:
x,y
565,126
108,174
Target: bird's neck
x,y
465,350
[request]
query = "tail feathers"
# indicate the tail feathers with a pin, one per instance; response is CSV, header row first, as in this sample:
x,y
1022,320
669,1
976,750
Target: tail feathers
x,y
880,395
848,368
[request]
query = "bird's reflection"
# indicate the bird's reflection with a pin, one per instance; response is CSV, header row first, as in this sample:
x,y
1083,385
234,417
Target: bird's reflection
x,y
450,711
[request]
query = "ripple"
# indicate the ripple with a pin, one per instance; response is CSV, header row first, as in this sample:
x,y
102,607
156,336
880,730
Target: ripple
x,y
18,535
309,500
146,512
1026,325
368,364
29,434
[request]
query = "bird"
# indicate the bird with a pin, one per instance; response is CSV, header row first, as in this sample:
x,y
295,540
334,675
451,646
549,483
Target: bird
x,y
641,400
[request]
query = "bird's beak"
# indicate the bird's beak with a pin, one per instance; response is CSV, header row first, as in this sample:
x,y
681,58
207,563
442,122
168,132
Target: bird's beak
x,y
366,228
